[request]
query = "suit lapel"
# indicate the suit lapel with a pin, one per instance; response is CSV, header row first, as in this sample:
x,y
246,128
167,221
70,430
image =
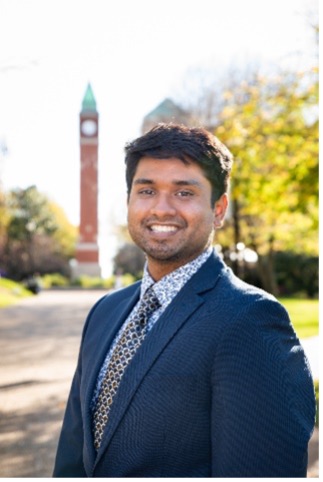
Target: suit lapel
x,y
108,331
172,320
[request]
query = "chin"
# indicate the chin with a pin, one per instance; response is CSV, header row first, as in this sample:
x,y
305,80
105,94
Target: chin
x,y
171,256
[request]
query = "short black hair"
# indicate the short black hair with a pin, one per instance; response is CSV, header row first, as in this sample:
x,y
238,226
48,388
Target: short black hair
x,y
189,144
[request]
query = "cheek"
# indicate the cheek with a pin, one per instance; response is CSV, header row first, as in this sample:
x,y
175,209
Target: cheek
x,y
135,208
201,215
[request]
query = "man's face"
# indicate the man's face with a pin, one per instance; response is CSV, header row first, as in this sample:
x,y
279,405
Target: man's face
x,y
170,216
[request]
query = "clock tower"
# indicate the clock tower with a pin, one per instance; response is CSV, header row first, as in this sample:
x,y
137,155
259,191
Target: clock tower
x,y
87,252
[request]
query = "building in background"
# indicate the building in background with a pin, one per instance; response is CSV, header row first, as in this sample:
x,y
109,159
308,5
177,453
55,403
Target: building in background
x,y
166,111
87,251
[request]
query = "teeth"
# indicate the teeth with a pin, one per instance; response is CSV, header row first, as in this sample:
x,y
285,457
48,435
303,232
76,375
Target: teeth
x,y
163,229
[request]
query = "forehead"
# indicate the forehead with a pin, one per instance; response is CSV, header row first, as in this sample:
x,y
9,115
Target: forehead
x,y
168,167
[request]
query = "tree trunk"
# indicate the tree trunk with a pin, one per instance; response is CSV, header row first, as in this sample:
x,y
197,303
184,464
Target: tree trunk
x,y
266,270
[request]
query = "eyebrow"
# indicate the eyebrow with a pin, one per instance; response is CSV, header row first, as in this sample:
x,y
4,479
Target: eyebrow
x,y
188,182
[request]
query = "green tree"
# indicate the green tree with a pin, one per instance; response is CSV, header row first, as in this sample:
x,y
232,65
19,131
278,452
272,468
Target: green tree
x,y
271,127
30,214
66,234
4,218
38,235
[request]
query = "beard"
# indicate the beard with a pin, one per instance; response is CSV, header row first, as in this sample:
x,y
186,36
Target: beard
x,y
168,251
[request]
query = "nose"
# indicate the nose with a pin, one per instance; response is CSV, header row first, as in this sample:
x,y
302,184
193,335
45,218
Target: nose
x,y
163,206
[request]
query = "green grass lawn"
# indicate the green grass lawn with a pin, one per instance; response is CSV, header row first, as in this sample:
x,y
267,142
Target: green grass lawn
x,y
304,315
11,292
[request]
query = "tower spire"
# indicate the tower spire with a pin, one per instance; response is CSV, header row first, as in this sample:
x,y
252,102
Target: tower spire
x,y
89,102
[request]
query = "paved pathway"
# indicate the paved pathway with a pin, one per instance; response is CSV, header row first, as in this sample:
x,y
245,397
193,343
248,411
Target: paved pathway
x,y
39,342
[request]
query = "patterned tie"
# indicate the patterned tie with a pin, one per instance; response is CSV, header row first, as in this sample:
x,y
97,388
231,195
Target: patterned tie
x,y
123,353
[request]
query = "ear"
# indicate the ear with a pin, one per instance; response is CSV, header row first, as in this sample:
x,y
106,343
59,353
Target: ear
x,y
220,209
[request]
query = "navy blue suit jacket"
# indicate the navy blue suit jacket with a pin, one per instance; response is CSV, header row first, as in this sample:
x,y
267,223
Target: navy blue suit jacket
x,y
219,388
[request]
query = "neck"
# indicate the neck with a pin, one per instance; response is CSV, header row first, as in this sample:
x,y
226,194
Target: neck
x,y
158,269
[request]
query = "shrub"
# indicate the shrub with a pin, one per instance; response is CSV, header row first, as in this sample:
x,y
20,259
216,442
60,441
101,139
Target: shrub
x,y
127,279
297,273
90,282
54,280
11,292
85,281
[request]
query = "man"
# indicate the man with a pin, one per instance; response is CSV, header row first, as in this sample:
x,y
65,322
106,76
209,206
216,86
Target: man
x,y
191,372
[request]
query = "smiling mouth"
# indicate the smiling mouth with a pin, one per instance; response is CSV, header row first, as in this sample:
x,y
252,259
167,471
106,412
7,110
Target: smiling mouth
x,y
160,228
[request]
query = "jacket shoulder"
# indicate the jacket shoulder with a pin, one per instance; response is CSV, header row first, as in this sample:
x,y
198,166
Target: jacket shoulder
x,y
231,286
115,296
110,302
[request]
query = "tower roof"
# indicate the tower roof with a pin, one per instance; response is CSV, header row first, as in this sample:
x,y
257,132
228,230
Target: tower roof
x,y
165,110
89,102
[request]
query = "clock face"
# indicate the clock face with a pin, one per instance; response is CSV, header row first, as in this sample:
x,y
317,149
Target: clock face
x,y
88,127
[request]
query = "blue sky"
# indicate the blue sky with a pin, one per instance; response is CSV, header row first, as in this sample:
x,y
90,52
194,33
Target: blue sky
x,y
134,53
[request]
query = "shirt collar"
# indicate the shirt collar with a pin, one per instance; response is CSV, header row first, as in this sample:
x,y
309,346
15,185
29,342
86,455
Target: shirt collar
x,y
174,280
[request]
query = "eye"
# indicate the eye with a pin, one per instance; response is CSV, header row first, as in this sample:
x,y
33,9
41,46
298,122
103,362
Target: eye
x,y
184,193
146,192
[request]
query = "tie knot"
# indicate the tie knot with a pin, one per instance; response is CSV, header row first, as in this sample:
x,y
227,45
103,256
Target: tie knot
x,y
148,304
